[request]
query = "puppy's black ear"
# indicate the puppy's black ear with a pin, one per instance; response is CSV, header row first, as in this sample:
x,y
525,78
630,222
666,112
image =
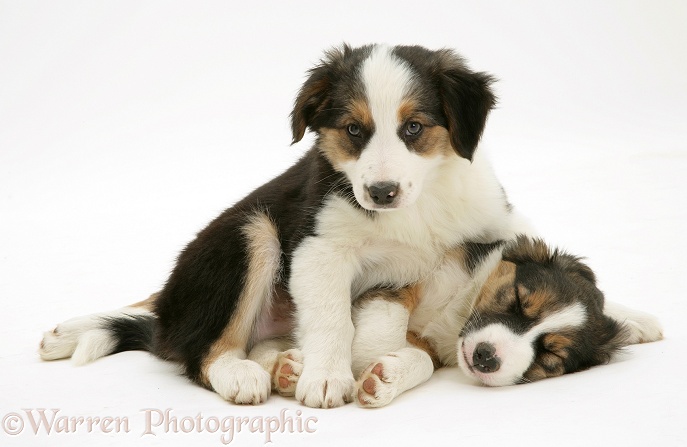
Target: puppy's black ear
x,y
313,96
311,99
526,249
467,99
574,265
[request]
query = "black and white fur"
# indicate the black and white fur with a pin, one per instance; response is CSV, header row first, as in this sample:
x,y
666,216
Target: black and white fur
x,y
393,181
506,313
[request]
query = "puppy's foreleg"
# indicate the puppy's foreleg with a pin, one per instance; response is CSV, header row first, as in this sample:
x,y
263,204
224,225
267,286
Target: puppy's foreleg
x,y
320,285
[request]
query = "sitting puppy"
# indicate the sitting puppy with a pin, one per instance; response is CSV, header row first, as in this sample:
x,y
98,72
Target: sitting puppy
x,y
506,313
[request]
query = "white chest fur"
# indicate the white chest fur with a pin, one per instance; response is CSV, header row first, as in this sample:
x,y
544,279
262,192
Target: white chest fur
x,y
463,201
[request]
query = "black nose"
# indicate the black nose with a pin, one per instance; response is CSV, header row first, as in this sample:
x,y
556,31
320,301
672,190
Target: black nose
x,y
484,360
383,193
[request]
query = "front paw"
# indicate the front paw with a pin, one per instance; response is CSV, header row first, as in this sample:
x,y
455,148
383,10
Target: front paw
x,y
324,388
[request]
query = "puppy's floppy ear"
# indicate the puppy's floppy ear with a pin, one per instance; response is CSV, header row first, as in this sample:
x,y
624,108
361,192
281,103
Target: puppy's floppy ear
x,y
525,249
466,99
574,264
313,96
311,99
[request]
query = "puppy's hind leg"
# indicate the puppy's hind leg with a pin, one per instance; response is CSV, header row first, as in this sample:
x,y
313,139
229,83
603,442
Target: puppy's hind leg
x,y
641,326
282,361
380,317
393,374
90,337
225,368
387,359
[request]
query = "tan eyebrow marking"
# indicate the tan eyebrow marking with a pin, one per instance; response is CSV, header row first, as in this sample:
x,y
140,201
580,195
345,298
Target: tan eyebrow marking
x,y
360,112
407,108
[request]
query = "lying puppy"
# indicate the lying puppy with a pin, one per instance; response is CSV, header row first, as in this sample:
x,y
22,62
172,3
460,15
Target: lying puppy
x,y
506,313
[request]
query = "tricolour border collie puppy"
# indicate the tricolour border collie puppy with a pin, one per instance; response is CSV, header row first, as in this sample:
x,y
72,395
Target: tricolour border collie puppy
x,y
506,313
392,182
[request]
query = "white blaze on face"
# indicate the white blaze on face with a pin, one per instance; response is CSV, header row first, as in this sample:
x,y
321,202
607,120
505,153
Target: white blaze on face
x,y
515,351
386,158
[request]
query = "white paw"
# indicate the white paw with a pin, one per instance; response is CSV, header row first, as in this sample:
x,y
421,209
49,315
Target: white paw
x,y
287,372
239,381
324,388
378,384
61,342
644,328
54,346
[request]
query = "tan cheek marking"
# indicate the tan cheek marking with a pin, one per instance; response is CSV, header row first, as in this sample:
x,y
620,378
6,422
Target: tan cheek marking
x,y
335,143
422,343
433,142
336,146
264,254
502,276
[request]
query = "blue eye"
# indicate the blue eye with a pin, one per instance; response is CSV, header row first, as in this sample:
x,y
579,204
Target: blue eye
x,y
413,129
353,130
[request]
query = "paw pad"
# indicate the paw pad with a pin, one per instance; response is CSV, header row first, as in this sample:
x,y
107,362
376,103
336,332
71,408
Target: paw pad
x,y
375,388
287,371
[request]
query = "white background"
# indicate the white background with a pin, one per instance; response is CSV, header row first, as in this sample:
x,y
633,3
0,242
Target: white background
x,y
126,126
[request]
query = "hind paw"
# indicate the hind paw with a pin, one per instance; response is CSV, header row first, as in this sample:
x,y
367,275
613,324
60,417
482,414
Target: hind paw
x,y
61,342
377,385
239,381
645,329
56,345
287,370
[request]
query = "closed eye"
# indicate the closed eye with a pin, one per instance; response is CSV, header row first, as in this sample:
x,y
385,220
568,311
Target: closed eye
x,y
556,344
518,302
556,353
